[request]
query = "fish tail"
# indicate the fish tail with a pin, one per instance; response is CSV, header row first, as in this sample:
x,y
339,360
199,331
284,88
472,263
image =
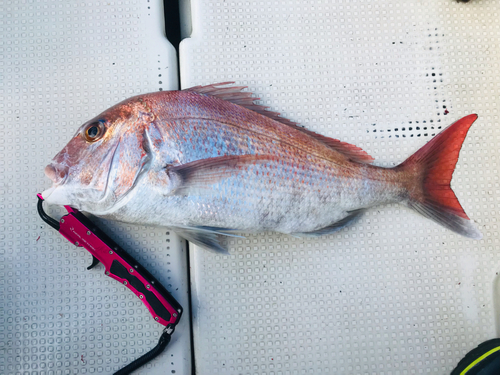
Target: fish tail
x,y
429,172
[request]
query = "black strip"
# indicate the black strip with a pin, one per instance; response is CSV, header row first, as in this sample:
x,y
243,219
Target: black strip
x,y
173,29
121,271
172,22
190,304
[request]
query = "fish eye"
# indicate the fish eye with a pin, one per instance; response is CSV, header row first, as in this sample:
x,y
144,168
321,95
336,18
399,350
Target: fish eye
x,y
94,131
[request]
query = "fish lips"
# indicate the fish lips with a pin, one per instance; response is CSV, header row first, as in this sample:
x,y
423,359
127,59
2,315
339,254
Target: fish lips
x,y
58,174
67,188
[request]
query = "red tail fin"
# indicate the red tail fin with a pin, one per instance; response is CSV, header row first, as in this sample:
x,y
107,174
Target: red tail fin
x,y
432,168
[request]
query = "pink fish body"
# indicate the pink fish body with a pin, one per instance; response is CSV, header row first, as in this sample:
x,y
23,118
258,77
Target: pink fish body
x,y
208,161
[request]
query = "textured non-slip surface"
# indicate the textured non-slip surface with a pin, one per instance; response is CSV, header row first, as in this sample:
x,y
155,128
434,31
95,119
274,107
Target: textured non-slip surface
x,y
62,63
395,293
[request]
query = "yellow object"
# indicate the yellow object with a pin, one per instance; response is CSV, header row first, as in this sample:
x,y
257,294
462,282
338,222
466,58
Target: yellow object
x,y
479,360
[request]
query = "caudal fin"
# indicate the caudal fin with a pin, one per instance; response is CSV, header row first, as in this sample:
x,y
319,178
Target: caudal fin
x,y
431,169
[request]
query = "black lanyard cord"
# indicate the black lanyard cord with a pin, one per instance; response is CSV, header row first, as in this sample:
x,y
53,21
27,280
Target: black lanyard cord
x,y
141,361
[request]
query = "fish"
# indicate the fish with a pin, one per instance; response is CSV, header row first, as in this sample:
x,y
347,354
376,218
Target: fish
x,y
209,161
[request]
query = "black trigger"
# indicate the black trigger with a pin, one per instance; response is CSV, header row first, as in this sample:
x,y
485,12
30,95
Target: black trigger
x,y
95,262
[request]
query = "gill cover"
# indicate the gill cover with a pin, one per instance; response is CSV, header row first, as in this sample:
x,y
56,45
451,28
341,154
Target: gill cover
x,y
103,160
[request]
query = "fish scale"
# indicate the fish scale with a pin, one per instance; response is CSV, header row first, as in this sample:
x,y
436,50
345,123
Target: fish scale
x,y
208,161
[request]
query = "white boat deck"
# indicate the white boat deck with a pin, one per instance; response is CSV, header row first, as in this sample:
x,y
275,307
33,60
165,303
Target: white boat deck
x,y
393,294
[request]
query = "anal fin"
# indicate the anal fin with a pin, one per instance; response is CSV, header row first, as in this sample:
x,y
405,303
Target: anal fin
x,y
338,225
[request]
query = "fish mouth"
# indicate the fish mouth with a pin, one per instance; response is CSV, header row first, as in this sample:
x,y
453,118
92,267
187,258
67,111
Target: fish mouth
x,y
67,187
57,173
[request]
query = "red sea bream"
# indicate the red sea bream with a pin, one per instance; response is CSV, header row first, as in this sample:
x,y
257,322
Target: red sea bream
x,y
207,161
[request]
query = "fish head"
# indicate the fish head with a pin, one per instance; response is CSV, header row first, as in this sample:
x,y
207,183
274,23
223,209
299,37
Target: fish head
x,y
102,161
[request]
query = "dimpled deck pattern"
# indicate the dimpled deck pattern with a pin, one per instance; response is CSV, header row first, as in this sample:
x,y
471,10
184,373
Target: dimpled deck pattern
x,y
395,293
62,63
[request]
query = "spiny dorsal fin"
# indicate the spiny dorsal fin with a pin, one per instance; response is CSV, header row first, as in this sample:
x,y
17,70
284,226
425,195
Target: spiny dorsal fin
x,y
353,152
245,99
234,95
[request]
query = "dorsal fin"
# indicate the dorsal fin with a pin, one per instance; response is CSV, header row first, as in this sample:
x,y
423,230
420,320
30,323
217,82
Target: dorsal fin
x,y
353,152
234,95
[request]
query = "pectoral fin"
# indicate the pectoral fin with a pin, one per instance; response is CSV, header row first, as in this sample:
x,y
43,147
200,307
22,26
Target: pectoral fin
x,y
201,174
